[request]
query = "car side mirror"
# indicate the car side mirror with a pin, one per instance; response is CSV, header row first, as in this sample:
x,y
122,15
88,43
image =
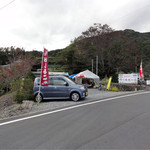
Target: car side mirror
x,y
66,84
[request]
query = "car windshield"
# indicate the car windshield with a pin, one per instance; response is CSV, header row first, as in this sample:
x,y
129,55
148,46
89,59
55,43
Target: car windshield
x,y
70,81
37,81
67,79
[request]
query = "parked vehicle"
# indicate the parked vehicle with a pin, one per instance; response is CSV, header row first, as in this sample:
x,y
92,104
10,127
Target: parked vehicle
x,y
59,87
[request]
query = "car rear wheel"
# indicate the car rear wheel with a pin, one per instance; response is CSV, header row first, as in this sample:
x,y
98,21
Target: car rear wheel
x,y
75,96
38,98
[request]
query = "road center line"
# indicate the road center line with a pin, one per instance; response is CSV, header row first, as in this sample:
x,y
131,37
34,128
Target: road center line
x,y
71,107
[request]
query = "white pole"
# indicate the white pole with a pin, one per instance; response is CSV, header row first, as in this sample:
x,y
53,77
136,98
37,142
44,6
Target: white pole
x,y
40,79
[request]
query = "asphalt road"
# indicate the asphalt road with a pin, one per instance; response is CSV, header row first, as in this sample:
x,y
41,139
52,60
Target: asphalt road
x,y
121,123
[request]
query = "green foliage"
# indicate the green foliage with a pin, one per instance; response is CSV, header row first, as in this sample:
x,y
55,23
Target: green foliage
x,y
66,59
3,58
35,53
30,75
19,97
53,53
113,89
15,85
9,53
104,81
24,90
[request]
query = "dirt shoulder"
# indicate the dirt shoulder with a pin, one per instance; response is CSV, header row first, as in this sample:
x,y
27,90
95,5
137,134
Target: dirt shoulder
x,y
6,100
9,108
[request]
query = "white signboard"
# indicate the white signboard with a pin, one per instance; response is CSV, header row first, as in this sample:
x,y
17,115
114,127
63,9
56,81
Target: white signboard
x,y
128,78
147,82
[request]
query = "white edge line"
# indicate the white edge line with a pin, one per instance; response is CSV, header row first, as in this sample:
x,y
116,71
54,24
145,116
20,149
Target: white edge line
x,y
71,107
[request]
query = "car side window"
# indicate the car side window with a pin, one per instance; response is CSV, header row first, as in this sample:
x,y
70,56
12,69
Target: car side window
x,y
58,81
50,81
38,81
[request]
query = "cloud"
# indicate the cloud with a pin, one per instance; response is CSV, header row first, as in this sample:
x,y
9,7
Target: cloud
x,y
134,15
33,24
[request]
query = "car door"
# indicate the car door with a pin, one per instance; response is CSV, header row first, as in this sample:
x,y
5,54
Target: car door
x,y
48,90
61,89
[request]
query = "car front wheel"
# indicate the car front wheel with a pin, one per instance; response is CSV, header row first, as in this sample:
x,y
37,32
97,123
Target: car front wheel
x,y
75,96
38,98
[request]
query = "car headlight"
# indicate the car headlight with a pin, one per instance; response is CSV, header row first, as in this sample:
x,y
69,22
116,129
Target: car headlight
x,y
82,88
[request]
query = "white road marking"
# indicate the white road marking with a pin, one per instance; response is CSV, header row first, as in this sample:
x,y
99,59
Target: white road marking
x,y
71,107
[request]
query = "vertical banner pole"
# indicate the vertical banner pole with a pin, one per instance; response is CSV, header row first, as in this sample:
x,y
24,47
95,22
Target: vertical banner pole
x,y
44,78
39,84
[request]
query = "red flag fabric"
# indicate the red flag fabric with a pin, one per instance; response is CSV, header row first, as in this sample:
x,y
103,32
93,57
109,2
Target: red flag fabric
x,y
80,75
141,71
44,73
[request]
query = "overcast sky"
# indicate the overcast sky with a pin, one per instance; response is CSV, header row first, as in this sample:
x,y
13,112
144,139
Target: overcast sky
x,y
34,24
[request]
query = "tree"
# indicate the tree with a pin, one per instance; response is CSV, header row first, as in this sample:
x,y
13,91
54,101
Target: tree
x,y
3,57
17,69
115,50
93,42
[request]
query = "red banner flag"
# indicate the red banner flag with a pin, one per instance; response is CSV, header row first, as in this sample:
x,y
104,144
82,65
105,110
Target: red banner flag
x,y
44,73
141,71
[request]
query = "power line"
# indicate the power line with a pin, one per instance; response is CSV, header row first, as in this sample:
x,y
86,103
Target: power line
x,y
6,5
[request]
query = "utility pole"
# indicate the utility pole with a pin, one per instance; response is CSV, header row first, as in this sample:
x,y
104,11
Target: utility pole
x,y
92,65
135,64
97,65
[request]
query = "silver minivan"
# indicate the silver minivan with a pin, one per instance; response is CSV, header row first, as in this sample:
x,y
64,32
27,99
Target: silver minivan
x,y
60,87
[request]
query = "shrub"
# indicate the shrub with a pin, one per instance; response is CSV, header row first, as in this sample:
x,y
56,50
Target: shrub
x,y
104,81
24,90
19,97
30,75
126,87
113,89
2,92
15,85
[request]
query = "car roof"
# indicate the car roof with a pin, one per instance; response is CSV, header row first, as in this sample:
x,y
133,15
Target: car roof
x,y
54,77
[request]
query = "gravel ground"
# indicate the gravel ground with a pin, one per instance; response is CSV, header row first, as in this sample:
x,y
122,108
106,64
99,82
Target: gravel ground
x,y
93,94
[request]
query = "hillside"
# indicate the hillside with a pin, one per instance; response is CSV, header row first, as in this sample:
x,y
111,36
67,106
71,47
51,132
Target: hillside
x,y
118,51
142,40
